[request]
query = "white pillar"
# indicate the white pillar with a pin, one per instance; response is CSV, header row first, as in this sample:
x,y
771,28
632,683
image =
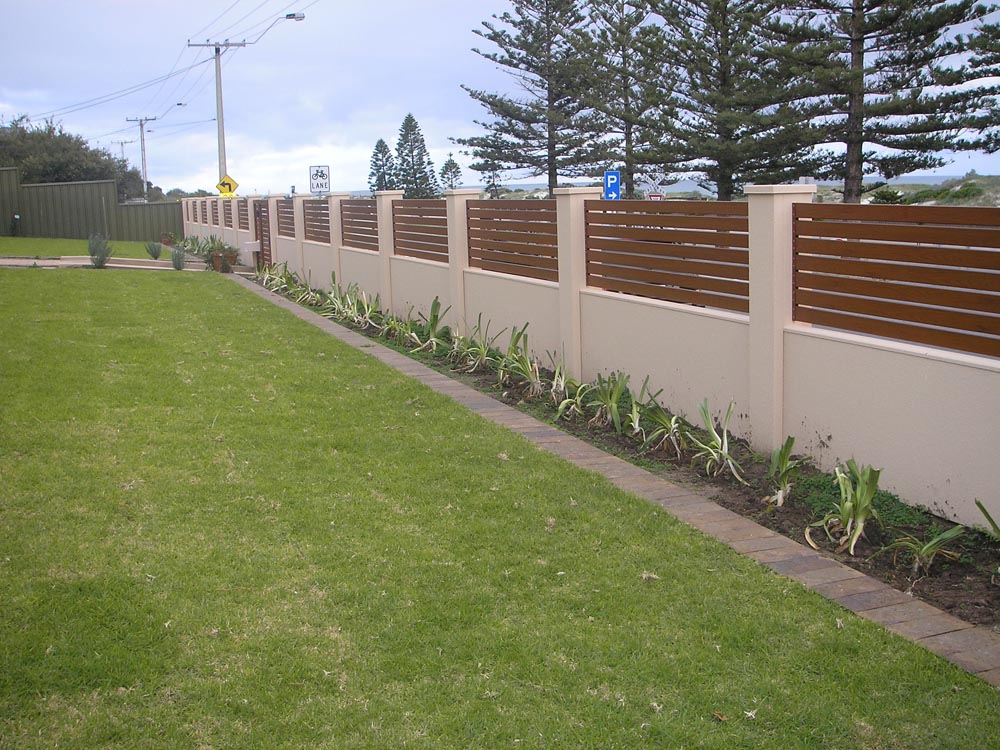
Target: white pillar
x,y
770,229
386,245
299,216
337,233
572,240
458,253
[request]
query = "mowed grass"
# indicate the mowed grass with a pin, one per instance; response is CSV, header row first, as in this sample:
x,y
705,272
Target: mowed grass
x,y
222,528
44,247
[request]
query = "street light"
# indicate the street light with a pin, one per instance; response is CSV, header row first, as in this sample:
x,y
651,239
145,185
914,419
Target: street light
x,y
218,79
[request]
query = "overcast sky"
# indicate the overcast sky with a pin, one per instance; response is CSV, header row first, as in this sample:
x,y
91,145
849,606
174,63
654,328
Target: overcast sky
x,y
319,91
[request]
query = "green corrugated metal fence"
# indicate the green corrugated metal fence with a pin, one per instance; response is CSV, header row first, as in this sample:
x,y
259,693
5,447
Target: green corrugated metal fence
x,y
75,210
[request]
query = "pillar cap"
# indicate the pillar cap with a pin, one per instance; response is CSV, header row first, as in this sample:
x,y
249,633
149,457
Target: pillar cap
x,y
797,189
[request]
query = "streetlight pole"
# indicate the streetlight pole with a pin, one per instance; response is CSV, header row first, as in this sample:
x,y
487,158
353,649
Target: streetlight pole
x,y
219,46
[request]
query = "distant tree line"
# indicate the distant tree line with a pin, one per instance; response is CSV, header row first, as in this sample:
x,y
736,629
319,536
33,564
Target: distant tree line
x,y
45,152
731,92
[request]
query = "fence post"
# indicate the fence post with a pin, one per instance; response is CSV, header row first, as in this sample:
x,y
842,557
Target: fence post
x,y
272,224
458,252
572,241
386,243
770,237
336,231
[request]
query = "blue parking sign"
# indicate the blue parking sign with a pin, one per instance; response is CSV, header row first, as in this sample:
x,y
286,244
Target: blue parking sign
x,y
612,185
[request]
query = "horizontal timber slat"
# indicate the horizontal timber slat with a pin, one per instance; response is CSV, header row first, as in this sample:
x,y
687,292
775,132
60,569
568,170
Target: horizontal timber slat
x,y
902,331
670,294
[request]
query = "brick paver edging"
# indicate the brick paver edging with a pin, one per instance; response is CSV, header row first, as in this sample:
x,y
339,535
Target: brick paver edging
x,y
975,649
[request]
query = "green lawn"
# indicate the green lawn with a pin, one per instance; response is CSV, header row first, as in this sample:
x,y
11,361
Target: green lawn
x,y
222,528
44,247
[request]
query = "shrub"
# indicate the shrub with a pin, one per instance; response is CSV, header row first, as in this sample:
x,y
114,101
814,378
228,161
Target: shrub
x,y
177,257
153,249
99,249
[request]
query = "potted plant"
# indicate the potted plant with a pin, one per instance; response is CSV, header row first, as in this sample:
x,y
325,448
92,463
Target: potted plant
x,y
220,256
168,238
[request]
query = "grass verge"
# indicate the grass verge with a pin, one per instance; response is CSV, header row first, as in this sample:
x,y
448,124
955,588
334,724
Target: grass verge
x,y
223,528
44,247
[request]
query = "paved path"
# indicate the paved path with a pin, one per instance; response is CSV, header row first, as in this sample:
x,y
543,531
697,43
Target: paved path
x,y
974,648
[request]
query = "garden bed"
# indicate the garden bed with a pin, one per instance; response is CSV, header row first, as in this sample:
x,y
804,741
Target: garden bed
x,y
967,586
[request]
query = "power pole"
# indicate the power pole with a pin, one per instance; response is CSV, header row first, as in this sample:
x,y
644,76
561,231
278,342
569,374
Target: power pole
x,y
123,144
218,96
219,46
142,140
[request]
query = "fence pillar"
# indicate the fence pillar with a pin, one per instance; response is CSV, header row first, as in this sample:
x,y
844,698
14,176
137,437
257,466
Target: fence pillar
x,y
336,232
770,237
386,244
572,241
272,224
299,216
458,252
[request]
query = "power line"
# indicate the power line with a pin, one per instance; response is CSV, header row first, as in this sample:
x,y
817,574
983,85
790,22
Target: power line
x,y
87,104
209,24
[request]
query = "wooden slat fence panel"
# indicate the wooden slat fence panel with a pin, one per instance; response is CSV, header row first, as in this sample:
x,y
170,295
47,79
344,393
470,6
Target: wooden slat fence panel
x,y
194,212
359,221
204,212
227,214
514,237
316,214
692,252
215,213
263,217
286,217
420,229
924,274
243,214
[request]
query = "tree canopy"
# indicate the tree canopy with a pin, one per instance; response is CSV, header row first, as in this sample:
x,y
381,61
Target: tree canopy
x,y
47,153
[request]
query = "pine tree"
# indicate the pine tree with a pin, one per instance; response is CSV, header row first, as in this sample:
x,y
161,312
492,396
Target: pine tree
x,y
383,168
624,52
728,118
415,174
892,84
489,152
547,129
451,173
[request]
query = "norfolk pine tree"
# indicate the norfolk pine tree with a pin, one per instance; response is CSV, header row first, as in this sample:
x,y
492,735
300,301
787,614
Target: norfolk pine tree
x,y
451,173
383,168
891,82
546,131
415,174
730,117
624,51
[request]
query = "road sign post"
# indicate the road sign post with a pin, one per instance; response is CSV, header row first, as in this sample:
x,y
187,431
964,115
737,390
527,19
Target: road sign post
x,y
612,185
319,180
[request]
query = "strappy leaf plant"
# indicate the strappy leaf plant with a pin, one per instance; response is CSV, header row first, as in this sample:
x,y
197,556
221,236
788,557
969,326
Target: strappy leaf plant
x,y
177,257
575,403
432,333
782,472
153,250
925,552
607,396
560,380
477,351
517,367
856,507
664,428
715,448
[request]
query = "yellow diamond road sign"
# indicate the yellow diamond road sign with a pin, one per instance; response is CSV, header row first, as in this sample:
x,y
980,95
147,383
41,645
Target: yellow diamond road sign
x,y
227,186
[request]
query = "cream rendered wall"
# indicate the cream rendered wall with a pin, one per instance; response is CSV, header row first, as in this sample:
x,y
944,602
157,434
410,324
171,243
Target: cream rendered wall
x,y
286,250
416,282
360,267
690,353
929,419
508,301
320,264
